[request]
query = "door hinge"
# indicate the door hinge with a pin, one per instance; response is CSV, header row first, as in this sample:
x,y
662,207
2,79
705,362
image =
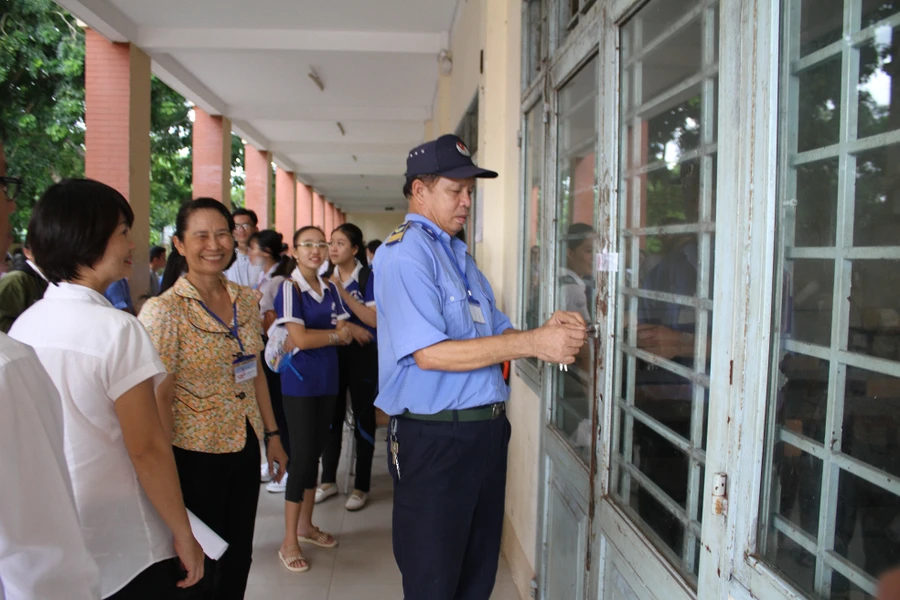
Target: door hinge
x,y
546,112
720,494
534,588
519,139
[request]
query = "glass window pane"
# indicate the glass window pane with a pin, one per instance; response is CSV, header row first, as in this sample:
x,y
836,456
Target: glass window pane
x,y
833,453
533,205
575,286
536,38
667,229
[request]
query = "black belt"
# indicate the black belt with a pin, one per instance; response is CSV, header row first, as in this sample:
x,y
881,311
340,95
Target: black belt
x,y
488,412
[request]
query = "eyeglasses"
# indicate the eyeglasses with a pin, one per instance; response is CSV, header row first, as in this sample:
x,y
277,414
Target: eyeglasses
x,y
311,245
243,226
11,186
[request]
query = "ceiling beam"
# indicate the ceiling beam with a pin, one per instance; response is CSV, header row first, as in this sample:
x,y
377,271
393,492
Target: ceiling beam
x,y
173,74
299,112
346,148
167,39
354,169
103,17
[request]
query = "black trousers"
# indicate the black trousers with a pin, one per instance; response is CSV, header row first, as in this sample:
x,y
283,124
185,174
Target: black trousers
x,y
156,581
448,507
273,379
358,375
308,418
223,491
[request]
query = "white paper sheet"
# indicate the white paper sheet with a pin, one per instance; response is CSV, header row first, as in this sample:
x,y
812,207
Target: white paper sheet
x,y
213,546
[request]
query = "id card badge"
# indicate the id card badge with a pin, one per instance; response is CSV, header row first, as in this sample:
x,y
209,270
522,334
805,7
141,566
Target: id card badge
x,y
475,310
244,369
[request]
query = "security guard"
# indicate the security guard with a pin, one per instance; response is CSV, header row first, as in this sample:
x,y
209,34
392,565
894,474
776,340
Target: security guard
x,y
441,342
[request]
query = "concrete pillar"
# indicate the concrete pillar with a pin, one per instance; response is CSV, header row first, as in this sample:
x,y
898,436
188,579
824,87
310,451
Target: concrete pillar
x,y
117,135
318,211
257,183
304,205
341,218
329,219
285,203
212,156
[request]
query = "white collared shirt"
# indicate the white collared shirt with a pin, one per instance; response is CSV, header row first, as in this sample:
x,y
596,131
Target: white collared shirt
x,y
353,277
94,354
268,286
42,553
243,272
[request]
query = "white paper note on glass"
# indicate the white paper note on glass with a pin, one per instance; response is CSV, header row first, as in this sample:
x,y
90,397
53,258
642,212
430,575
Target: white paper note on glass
x,y
213,546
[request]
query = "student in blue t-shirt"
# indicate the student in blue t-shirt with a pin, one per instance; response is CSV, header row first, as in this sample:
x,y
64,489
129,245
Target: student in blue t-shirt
x,y
315,318
358,365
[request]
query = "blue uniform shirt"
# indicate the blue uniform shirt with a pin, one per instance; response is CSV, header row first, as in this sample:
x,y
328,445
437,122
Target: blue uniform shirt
x,y
421,300
318,367
119,295
366,296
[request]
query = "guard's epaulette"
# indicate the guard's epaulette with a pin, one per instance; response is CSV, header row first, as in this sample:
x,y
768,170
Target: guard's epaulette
x,y
397,235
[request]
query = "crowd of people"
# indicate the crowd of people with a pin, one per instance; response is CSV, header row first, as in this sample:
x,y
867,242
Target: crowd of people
x,y
164,408
123,423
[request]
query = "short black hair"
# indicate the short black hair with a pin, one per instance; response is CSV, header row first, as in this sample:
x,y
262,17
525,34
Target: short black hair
x,y
428,179
157,252
373,246
71,225
247,213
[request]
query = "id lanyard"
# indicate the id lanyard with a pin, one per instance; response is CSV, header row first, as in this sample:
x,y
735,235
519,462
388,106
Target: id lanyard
x,y
474,305
234,332
461,272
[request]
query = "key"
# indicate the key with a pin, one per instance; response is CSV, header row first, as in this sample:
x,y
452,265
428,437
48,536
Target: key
x,y
395,454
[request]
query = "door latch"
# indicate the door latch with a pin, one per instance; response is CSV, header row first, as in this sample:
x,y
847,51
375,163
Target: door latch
x,y
593,330
719,494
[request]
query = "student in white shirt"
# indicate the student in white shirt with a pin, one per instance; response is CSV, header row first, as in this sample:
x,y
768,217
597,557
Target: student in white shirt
x,y
42,553
242,271
106,369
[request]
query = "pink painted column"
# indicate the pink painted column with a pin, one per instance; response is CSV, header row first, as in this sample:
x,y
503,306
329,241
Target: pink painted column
x,y
318,211
285,203
258,184
117,135
212,156
304,205
329,219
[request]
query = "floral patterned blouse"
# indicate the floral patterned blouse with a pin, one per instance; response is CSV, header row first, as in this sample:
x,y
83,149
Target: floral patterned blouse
x,y
210,410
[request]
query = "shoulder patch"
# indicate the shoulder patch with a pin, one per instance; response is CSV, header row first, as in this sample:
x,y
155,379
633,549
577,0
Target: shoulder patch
x,y
397,235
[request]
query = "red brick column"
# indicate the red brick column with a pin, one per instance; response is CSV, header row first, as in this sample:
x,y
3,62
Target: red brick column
x,y
285,203
318,211
329,219
212,156
117,135
258,184
304,205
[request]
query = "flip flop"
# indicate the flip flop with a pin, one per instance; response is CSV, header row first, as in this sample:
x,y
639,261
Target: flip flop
x,y
320,539
287,561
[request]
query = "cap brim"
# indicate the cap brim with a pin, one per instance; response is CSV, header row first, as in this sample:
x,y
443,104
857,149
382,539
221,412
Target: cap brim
x,y
469,171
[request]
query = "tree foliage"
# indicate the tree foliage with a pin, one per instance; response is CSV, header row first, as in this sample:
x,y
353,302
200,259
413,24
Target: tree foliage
x,y
41,97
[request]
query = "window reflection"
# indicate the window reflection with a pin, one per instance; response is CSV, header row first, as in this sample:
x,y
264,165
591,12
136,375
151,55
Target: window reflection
x,y
573,405
833,450
667,228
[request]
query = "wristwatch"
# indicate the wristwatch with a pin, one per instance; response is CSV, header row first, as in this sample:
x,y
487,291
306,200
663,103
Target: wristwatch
x,y
269,435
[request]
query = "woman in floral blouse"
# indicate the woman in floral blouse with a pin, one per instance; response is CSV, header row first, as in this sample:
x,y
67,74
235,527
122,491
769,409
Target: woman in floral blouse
x,y
214,402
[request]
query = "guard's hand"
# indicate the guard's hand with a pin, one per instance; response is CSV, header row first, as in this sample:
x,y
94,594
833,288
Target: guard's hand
x,y
564,317
558,343
191,556
275,454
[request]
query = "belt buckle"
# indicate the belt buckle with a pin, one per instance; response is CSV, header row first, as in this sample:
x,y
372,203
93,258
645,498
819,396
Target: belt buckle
x,y
497,410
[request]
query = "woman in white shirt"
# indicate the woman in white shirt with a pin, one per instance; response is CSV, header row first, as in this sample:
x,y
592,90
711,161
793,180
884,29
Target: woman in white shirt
x,y
266,250
106,369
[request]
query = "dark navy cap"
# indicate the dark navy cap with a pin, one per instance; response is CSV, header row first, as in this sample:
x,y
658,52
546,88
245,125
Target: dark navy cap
x,y
446,156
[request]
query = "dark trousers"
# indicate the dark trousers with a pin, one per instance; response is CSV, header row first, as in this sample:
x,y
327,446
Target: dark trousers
x,y
308,418
273,379
448,507
359,376
156,581
223,491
